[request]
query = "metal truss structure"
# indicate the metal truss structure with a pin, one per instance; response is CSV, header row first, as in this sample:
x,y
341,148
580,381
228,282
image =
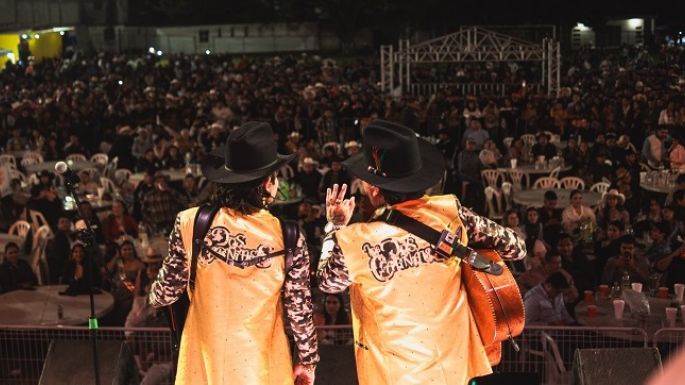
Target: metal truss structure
x,y
468,45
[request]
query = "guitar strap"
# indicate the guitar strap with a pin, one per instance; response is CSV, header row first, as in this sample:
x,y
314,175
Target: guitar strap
x,y
443,243
446,245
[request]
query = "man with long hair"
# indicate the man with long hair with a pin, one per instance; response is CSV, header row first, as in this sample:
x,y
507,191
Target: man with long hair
x,y
234,332
411,316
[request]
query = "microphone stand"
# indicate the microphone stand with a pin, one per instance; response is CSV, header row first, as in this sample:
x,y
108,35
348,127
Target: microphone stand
x,y
87,236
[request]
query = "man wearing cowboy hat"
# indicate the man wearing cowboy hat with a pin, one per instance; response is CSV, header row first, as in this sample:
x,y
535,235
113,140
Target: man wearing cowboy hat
x,y
412,322
234,332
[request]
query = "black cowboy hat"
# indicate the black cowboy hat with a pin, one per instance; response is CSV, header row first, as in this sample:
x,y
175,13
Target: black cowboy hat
x,y
248,155
394,159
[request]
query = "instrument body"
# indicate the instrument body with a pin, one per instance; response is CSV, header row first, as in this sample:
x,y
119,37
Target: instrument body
x,y
496,304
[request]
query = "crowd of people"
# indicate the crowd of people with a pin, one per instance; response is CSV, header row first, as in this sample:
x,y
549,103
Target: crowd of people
x,y
618,113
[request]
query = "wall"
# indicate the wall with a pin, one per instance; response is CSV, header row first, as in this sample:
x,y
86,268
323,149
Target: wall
x,y
227,38
632,30
9,41
35,14
49,45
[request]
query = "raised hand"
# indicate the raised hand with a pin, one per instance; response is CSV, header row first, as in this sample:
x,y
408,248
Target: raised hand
x,y
338,209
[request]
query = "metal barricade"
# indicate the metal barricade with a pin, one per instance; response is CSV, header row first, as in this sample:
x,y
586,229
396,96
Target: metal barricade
x,y
23,349
669,341
549,349
544,349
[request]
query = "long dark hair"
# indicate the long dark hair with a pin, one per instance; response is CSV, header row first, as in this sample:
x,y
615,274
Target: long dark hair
x,y
246,198
341,317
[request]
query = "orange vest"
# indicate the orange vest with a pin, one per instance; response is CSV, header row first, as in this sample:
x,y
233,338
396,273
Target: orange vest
x,y
411,317
234,332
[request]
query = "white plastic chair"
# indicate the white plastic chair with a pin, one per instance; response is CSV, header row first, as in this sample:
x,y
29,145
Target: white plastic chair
x,y
20,228
519,180
77,157
93,172
39,263
16,174
30,161
528,139
121,175
355,186
108,185
99,159
493,199
572,182
334,145
555,370
286,172
492,177
37,219
9,160
555,172
43,232
32,155
546,182
600,187
507,191
202,183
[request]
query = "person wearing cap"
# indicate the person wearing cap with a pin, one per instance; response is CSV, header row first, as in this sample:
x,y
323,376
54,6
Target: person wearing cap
x,y
403,335
235,329
543,147
308,178
160,204
612,208
352,148
335,175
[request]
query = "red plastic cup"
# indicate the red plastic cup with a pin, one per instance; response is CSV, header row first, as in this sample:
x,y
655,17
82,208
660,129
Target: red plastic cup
x,y
589,297
591,311
604,290
663,292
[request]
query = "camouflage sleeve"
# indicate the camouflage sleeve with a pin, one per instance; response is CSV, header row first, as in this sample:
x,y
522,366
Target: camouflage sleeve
x,y
173,276
299,310
489,235
332,274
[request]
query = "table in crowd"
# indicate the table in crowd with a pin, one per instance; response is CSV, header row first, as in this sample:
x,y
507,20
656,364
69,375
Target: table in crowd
x,y
630,306
49,305
74,165
535,197
553,167
174,175
660,181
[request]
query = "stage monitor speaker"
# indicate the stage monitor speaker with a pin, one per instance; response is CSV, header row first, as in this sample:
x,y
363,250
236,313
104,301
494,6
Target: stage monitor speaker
x,y
507,379
70,363
630,366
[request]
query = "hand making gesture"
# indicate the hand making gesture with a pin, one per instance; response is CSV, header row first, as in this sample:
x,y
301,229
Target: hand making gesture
x,y
338,209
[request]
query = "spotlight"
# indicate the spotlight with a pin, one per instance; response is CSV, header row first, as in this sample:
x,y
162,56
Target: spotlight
x,y
61,33
121,82
151,50
159,53
207,52
36,36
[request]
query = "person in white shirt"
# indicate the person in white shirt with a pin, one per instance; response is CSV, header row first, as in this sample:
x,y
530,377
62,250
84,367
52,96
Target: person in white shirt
x,y
654,147
544,303
577,213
